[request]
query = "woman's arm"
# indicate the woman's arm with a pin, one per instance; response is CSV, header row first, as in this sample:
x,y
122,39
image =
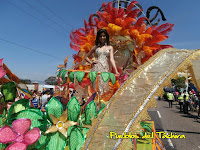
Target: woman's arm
x,y
112,60
89,54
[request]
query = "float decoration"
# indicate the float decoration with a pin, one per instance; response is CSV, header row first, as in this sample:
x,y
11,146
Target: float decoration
x,y
2,72
19,134
129,34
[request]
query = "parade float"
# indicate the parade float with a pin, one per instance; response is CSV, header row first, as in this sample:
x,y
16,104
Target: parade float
x,y
90,120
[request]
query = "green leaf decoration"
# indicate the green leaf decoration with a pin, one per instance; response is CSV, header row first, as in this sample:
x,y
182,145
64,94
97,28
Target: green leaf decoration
x,y
60,72
81,120
71,76
147,128
93,76
34,114
63,74
73,107
102,107
54,107
146,125
18,106
141,133
57,142
70,129
9,91
90,112
112,78
76,139
80,75
1,120
105,76
2,146
142,123
84,131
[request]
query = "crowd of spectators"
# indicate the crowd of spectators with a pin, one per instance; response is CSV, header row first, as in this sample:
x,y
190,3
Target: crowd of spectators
x,y
188,101
40,99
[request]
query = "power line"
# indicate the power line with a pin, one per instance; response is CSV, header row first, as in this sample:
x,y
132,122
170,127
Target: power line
x,y
44,15
35,17
30,49
54,13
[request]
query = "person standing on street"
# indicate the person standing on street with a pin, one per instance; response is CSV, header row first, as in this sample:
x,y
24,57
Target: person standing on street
x,y
170,97
180,99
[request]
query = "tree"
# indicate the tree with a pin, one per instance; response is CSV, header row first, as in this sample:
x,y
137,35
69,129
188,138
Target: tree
x,y
51,80
25,81
179,83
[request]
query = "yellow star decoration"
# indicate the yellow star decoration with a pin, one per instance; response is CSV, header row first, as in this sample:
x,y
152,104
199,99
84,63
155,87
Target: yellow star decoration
x,y
60,124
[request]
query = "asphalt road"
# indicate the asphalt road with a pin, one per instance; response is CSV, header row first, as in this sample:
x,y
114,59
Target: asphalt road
x,y
172,120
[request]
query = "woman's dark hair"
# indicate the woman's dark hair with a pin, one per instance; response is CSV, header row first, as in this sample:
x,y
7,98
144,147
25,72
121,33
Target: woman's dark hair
x,y
98,34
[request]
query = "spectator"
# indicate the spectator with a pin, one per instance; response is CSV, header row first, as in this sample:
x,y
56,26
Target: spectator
x,y
44,99
34,100
170,97
185,105
180,98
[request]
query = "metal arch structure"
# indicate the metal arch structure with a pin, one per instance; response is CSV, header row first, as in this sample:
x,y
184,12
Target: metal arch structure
x,y
150,19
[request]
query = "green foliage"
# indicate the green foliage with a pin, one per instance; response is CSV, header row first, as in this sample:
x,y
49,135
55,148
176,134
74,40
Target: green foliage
x,y
25,81
9,91
56,142
73,107
76,139
54,107
179,82
80,75
90,112
51,80
17,107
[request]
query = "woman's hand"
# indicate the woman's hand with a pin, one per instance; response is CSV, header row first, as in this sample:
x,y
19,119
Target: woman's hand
x,y
116,72
94,61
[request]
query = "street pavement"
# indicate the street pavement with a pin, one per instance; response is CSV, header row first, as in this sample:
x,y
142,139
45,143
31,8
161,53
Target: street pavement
x,y
172,120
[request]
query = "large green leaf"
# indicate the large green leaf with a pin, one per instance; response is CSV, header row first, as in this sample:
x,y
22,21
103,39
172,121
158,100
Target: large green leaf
x,y
76,139
9,91
90,112
105,76
64,73
93,76
18,106
71,76
57,141
112,78
60,72
34,114
80,75
73,107
69,130
54,107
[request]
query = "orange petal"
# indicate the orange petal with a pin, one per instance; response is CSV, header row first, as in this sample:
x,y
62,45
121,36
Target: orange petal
x,y
64,116
54,119
63,131
69,123
52,129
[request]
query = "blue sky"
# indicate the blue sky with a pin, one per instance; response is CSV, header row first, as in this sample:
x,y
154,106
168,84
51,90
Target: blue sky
x,y
30,24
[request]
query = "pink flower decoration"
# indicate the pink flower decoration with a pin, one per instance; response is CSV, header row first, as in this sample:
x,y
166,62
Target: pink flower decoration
x,y
2,71
19,134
